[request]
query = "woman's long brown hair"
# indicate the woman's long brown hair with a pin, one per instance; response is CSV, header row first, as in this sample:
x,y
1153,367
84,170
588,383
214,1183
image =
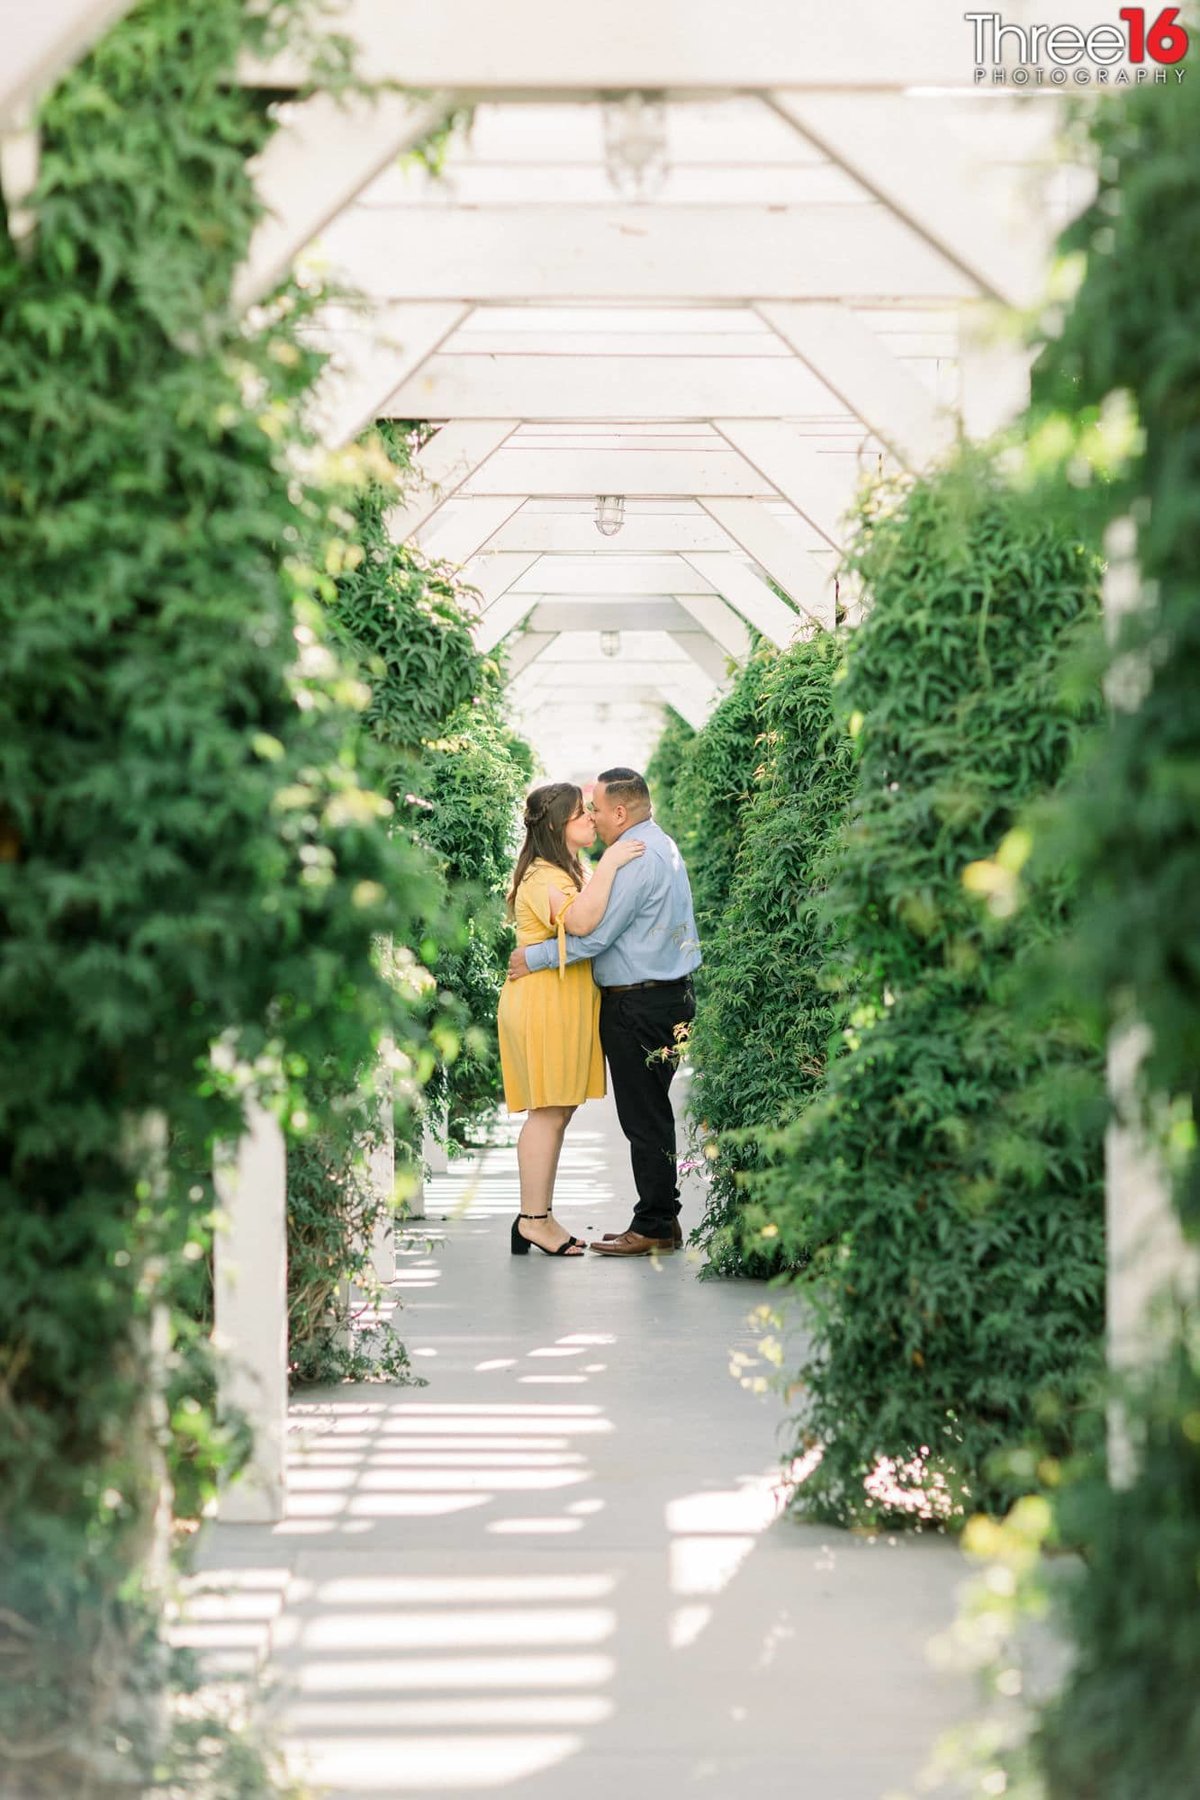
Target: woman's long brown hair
x,y
548,810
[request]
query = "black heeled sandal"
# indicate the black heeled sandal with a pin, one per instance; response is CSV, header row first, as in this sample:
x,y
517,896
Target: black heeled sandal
x,y
521,1246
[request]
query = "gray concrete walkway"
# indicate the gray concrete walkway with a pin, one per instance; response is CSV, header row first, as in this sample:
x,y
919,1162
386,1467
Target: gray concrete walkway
x,y
558,1571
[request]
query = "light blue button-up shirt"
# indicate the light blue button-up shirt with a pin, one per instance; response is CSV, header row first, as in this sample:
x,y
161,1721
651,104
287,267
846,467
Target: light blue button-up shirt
x,y
648,932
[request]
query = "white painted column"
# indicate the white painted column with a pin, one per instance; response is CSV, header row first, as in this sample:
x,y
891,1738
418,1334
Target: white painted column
x,y
250,1280
382,1164
433,1144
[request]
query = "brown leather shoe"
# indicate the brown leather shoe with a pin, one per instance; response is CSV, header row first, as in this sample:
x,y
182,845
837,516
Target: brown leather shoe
x,y
632,1243
676,1235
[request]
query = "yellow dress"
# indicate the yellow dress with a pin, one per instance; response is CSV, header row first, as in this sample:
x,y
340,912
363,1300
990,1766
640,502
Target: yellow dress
x,y
549,1022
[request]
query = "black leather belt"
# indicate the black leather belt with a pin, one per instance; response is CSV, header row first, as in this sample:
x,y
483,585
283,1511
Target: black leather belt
x,y
629,987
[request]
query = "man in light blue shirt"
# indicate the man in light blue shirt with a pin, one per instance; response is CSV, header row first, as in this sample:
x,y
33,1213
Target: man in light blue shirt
x,y
643,953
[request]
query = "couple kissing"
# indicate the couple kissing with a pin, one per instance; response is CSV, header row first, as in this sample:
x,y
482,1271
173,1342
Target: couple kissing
x,y
601,974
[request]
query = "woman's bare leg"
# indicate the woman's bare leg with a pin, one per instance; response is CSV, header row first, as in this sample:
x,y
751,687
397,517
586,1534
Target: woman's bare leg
x,y
538,1149
568,1113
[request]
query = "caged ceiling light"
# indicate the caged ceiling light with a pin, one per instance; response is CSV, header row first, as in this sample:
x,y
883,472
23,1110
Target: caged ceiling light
x,y
635,144
610,643
610,514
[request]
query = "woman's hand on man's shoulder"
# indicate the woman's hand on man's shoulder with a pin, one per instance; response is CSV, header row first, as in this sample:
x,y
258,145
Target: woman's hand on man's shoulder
x,y
625,850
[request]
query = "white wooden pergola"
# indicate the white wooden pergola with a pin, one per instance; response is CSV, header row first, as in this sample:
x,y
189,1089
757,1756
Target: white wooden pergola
x,y
717,260
783,306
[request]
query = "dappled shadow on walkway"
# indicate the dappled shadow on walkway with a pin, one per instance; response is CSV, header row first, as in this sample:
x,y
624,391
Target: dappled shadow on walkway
x,y
560,1568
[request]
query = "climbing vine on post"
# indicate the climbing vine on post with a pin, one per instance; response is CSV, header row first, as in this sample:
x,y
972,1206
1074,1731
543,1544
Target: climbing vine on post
x,y
761,1037
1126,1722
946,1180
457,772
188,850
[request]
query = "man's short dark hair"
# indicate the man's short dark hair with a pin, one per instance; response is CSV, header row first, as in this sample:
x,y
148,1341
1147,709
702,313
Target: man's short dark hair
x,y
625,786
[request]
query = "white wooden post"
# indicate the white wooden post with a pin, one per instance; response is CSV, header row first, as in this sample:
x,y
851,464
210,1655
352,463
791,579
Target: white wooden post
x,y
382,1163
250,1279
433,1145
416,1203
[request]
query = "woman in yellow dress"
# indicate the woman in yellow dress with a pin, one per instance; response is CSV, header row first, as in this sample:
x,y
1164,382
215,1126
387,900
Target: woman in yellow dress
x,y
549,1022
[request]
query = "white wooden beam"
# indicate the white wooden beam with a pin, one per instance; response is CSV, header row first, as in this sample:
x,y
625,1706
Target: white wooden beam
x,y
818,484
552,681
458,385
365,363
901,152
576,534
444,464
326,150
707,655
459,528
720,621
749,595
680,473
501,618
694,709
612,615
493,573
684,45
41,41
856,365
526,649
690,254
776,550
606,575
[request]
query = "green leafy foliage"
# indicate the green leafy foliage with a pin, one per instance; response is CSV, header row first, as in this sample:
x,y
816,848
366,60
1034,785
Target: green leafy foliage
x,y
665,770
948,1195
761,1037
1135,821
1134,1617
472,781
190,853
1126,1723
714,776
456,771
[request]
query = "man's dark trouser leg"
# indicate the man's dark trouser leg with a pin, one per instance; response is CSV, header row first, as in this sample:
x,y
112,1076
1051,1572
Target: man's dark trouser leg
x,y
633,1027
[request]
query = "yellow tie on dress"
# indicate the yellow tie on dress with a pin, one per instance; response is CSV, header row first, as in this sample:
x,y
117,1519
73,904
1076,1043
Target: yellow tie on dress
x,y
561,924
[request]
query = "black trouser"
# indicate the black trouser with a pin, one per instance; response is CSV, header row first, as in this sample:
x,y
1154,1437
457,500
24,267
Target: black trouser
x,y
635,1028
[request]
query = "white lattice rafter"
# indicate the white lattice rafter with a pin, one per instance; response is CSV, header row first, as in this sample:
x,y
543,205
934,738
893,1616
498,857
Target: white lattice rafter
x,y
599,576
325,151
687,46
493,573
457,385
749,595
41,41
526,471
689,254
368,357
756,531
601,678
501,617
726,627
514,526
526,649
855,364
445,463
902,153
819,485
458,529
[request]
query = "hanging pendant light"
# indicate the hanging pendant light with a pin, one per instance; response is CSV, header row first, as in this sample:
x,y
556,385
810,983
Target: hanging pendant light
x,y
610,514
635,144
